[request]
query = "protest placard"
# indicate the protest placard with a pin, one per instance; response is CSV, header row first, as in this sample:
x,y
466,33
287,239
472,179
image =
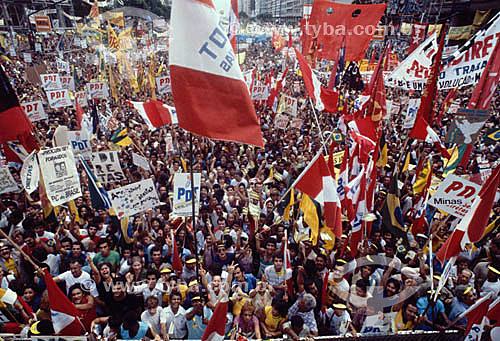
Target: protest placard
x,y
134,198
379,323
281,121
183,194
140,161
107,167
68,82
34,110
259,91
59,173
455,195
97,90
27,57
411,113
81,98
51,81
163,85
30,173
296,123
80,143
7,182
59,98
289,105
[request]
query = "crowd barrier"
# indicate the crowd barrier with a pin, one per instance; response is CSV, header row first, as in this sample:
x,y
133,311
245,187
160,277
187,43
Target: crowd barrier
x,y
451,335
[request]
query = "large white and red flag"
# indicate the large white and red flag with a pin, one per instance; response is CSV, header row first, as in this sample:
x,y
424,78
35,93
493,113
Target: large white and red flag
x,y
155,113
209,91
313,85
65,316
422,131
216,327
471,227
317,182
233,24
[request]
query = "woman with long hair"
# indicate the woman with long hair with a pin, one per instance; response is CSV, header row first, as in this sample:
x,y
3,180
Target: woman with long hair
x,y
246,324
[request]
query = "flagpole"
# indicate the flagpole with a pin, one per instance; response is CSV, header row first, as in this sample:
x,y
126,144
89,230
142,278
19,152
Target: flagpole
x,y
193,211
319,127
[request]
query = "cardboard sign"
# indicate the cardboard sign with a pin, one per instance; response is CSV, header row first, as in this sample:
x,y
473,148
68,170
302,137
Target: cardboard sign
x,y
27,57
107,167
34,110
81,98
59,98
80,143
134,198
281,121
68,82
59,174
455,195
30,173
290,105
183,194
7,182
140,161
163,85
411,113
97,90
51,81
260,91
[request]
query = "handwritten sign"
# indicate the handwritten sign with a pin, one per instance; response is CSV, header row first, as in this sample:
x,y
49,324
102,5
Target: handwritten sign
x,y
163,85
134,198
7,182
107,167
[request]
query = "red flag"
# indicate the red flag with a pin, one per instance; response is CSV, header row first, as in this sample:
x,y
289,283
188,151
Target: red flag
x,y
79,116
94,10
330,100
327,16
14,124
417,36
176,260
471,227
426,108
210,95
65,316
376,107
290,40
476,312
278,41
216,327
419,221
446,105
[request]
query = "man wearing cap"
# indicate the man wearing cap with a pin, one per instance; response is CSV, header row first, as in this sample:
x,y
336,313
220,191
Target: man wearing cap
x,y
189,269
197,318
465,298
492,283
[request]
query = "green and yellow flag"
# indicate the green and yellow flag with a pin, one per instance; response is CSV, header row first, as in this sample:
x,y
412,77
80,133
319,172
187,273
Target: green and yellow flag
x,y
121,138
312,215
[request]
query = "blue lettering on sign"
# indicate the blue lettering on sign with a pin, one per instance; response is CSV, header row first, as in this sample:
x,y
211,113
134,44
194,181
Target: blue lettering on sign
x,y
186,193
216,41
81,145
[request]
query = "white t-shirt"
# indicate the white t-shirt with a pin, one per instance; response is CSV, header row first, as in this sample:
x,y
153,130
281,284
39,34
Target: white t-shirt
x,y
152,320
339,323
84,278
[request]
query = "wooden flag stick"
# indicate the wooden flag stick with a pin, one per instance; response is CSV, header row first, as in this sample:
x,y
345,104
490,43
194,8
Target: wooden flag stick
x,y
25,255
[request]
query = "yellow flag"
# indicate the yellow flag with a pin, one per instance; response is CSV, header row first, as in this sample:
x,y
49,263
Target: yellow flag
x,y
311,216
113,42
406,164
116,18
419,184
112,85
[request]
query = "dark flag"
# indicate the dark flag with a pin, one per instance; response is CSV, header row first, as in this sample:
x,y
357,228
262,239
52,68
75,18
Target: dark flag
x,y
352,77
392,216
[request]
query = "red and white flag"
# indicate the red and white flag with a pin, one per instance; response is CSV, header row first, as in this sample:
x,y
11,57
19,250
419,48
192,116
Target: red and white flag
x,y
233,24
64,314
476,313
471,227
317,182
422,131
155,113
209,92
176,259
313,85
216,327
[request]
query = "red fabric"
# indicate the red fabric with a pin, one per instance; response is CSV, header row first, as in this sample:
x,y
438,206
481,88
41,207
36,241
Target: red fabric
x,y
376,106
446,105
217,323
417,36
310,181
332,21
278,41
330,100
176,260
79,115
485,89
323,291
13,123
426,108
214,106
26,307
475,316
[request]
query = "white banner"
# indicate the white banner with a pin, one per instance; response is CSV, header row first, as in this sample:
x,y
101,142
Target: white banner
x,y
412,73
97,90
80,143
411,113
68,82
59,98
107,167
134,198
34,110
470,60
183,194
163,85
59,174
455,195
7,182
27,57
51,81
140,161
30,173
81,97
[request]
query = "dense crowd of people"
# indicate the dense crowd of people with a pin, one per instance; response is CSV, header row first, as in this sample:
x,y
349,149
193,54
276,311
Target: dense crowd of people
x,y
130,290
